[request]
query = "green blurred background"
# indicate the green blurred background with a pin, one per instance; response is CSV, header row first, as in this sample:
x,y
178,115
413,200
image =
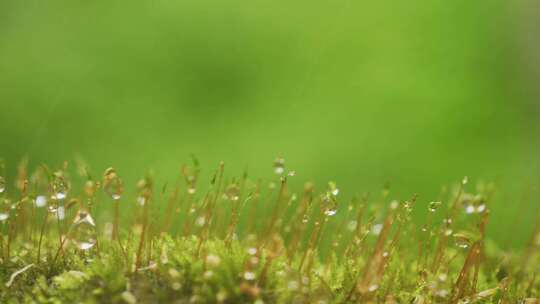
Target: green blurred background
x,y
418,93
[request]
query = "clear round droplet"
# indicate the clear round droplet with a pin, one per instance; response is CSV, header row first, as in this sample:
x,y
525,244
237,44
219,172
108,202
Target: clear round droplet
x,y
84,232
330,212
41,201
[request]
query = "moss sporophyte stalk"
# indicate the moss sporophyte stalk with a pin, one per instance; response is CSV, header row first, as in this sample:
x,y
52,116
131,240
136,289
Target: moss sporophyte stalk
x,y
67,237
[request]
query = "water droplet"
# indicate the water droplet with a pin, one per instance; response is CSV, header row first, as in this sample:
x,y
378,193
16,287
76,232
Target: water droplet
x,y
394,205
465,180
291,173
462,240
481,208
3,216
59,186
112,184
279,166
330,212
376,229
141,200
52,208
433,206
61,213
333,188
200,221
305,219
59,196
84,232
252,251
373,287
232,192
41,201
2,184
191,190
249,275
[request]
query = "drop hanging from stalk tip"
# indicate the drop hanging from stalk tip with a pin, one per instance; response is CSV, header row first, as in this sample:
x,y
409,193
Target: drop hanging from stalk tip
x,y
84,230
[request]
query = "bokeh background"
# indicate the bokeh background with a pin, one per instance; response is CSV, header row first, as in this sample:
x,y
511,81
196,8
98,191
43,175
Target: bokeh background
x,y
418,93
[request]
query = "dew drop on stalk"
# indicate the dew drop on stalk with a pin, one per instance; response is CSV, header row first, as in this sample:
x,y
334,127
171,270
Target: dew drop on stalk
x,y
59,186
433,206
84,232
330,212
232,192
112,184
141,200
41,201
481,208
408,206
305,219
376,229
52,208
201,220
373,287
60,213
249,275
2,184
279,166
461,240
3,216
333,188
